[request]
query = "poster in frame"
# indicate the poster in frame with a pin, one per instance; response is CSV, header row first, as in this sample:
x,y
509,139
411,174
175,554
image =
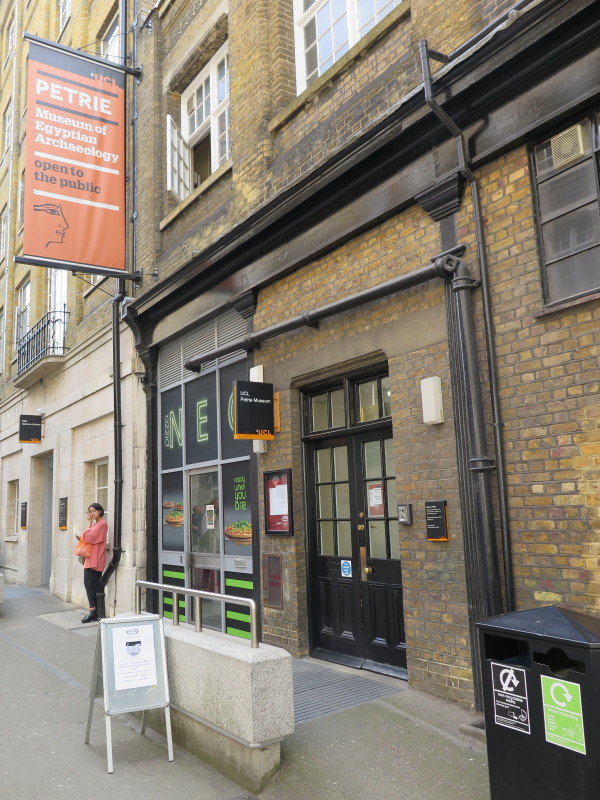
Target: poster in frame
x,y
278,503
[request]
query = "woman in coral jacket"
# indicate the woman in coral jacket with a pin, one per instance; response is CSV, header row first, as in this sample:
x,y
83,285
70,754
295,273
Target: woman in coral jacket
x,y
95,534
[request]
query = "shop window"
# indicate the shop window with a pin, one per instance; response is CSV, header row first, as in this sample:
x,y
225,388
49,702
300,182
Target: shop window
x,y
199,144
326,29
566,189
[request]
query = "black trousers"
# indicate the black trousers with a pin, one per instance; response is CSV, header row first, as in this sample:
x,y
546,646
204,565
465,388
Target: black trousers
x,y
91,581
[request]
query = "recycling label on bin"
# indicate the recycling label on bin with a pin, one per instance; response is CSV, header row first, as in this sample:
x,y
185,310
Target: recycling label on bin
x,y
563,714
511,708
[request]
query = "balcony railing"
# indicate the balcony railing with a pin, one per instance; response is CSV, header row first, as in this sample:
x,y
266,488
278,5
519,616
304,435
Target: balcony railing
x,y
46,338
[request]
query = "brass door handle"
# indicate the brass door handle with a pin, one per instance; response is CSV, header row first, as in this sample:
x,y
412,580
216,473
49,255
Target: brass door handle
x,y
360,527
368,570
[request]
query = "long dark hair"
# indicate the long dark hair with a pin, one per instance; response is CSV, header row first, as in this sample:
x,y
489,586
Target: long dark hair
x,y
98,507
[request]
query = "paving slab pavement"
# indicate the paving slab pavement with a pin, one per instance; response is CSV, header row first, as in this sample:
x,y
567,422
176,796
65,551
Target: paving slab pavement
x,y
406,744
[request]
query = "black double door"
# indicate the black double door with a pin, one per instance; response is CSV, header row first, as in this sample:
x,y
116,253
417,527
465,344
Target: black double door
x,y
356,578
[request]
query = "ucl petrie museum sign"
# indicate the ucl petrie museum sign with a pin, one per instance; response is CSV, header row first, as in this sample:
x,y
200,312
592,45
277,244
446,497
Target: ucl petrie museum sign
x,y
253,410
30,429
74,201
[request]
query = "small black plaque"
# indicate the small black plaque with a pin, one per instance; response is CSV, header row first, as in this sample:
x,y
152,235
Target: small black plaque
x,y
436,517
253,410
30,429
63,503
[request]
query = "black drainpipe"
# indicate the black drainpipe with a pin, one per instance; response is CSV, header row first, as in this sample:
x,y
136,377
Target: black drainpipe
x,y
497,423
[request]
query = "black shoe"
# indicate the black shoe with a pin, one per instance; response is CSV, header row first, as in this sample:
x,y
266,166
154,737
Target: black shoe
x,y
91,617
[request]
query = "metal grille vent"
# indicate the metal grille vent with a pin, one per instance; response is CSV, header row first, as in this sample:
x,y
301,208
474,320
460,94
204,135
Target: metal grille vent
x,y
169,364
230,326
567,146
201,341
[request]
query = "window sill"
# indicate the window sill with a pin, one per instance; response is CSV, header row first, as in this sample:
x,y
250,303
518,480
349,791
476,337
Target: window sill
x,y
199,190
94,286
567,305
11,538
345,62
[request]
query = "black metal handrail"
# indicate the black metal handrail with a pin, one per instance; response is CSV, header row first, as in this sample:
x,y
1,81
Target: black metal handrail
x,y
46,338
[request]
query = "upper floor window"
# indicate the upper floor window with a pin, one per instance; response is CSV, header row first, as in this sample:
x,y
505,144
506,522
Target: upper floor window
x,y
111,41
566,184
3,233
10,37
326,29
64,13
7,127
199,146
22,310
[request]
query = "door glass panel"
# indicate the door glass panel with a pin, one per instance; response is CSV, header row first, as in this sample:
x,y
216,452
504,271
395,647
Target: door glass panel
x,y
392,502
323,466
372,459
326,539
377,548
207,580
386,397
204,517
389,458
338,417
340,461
318,406
342,500
344,539
368,402
325,501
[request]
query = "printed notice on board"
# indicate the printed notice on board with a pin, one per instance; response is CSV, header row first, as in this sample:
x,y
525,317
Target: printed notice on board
x,y
134,657
511,707
278,500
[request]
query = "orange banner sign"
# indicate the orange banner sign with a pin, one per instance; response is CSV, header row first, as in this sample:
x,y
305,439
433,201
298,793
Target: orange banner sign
x,y
75,162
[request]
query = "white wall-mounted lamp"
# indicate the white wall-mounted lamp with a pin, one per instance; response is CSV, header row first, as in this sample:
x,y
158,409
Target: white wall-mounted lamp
x,y
431,399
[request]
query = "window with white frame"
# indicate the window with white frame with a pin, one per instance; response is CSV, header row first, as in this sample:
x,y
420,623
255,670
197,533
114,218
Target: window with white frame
x,y
111,41
200,144
7,127
57,308
10,37
21,200
4,233
22,310
326,29
1,340
64,13
567,170
12,506
101,484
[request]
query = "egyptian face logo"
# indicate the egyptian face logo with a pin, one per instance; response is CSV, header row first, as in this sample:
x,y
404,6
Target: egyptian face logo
x,y
51,222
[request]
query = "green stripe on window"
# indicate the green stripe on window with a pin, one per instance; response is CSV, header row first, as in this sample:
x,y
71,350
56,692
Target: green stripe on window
x,y
241,634
170,574
237,616
169,615
239,584
168,601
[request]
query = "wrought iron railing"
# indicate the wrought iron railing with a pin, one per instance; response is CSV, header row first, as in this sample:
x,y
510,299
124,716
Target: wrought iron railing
x,y
46,338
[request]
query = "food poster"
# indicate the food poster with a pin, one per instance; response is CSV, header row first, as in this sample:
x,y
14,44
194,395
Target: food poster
x,y
172,511
237,512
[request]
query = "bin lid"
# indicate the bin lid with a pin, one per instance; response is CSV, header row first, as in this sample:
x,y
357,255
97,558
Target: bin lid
x,y
553,623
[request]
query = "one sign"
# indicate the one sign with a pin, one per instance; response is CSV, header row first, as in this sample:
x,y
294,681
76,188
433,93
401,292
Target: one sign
x,y
23,516
436,518
130,671
375,498
563,714
511,708
346,568
278,502
74,201
30,429
63,503
253,410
